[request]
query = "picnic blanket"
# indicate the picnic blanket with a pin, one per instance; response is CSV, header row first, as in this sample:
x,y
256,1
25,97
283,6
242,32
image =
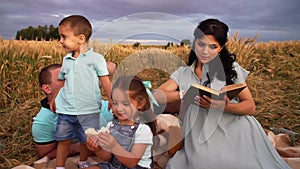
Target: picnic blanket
x,y
167,144
45,163
282,143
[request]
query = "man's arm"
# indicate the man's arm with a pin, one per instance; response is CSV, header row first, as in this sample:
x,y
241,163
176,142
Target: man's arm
x,y
111,67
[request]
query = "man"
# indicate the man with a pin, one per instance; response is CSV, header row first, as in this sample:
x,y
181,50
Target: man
x,y
44,123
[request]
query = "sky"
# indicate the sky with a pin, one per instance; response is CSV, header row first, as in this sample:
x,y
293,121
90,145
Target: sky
x,y
157,21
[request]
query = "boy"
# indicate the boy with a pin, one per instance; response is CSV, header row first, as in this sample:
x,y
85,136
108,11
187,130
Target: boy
x,y
44,123
78,102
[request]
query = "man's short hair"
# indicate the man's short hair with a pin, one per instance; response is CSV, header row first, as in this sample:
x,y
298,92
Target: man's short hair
x,y
45,74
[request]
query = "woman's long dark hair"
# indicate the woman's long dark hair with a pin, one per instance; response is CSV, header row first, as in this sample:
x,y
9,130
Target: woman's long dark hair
x,y
219,30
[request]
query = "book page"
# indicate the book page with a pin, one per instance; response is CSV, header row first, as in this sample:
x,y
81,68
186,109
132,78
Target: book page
x,y
233,90
208,89
232,87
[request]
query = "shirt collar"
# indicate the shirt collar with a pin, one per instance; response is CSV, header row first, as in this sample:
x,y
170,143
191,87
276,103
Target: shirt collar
x,y
193,66
204,67
69,55
204,70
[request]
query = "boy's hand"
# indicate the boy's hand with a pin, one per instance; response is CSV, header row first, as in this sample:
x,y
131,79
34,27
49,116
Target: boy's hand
x,y
52,102
52,106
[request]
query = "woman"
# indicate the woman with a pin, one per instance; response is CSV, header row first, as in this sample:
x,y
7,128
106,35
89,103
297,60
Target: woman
x,y
218,133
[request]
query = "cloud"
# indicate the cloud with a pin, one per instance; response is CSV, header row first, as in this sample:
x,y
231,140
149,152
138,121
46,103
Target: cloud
x,y
144,24
265,17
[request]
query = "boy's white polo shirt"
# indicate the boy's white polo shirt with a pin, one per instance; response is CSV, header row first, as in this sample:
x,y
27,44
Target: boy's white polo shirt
x,y
81,92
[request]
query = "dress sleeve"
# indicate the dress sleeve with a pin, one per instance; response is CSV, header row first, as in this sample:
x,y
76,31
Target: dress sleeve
x,y
177,75
242,74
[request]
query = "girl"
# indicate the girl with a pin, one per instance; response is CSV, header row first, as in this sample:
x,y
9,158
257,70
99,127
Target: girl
x,y
128,142
218,133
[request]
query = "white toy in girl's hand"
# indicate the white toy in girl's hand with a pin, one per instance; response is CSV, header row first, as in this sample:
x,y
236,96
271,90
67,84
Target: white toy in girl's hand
x,y
104,129
90,132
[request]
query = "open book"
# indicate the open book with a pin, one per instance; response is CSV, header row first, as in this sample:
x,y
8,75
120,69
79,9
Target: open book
x,y
198,90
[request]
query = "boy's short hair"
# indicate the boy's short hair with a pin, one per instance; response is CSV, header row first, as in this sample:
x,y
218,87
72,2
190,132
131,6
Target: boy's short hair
x,y
79,24
45,74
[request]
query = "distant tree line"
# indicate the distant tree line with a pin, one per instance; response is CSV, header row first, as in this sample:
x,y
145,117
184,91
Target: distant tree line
x,y
183,42
51,33
39,33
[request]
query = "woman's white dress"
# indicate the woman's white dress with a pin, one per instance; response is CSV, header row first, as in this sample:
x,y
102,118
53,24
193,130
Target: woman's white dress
x,y
214,139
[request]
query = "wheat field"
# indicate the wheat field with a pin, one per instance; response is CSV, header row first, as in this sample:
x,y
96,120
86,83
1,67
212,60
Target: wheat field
x,y
274,82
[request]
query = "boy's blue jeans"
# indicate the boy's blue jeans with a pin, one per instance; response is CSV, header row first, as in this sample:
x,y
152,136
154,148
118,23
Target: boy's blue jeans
x,y
72,126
